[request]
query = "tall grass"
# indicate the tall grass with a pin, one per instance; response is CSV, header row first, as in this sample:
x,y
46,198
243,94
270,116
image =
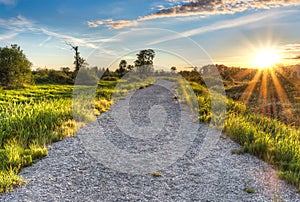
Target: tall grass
x,y
36,116
269,139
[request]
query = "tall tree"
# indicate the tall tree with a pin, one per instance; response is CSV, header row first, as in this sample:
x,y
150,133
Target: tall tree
x,y
145,57
79,61
122,68
144,62
14,67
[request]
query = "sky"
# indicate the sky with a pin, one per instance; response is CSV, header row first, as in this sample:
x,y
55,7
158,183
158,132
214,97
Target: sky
x,y
183,33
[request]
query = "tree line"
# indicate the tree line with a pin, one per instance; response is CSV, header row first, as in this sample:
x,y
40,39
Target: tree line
x,y
15,68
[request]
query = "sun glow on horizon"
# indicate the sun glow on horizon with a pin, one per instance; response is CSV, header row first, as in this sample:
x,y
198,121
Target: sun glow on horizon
x,y
266,58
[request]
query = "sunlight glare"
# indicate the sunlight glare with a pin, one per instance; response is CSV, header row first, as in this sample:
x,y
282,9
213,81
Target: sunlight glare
x,y
266,58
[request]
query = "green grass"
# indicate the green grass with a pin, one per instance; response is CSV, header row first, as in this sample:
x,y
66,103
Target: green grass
x,y
249,190
36,116
269,139
31,118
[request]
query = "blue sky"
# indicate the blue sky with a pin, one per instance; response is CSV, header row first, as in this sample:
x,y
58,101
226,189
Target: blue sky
x,y
228,31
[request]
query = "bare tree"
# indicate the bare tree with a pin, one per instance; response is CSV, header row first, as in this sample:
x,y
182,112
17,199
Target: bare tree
x,y
79,61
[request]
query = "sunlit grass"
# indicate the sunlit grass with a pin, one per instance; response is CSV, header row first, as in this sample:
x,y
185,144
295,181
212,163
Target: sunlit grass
x,y
33,117
271,140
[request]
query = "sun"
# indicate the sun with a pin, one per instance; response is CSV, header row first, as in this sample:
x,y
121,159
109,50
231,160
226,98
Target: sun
x,y
266,58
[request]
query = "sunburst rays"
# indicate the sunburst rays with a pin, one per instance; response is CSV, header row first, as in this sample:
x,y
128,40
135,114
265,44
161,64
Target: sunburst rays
x,y
268,93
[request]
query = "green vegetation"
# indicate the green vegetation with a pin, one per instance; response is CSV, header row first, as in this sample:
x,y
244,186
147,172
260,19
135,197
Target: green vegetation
x,y
249,190
35,116
32,118
14,67
269,139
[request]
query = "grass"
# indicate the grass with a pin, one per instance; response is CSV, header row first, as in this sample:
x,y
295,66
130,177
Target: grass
x,y
36,116
269,139
31,118
249,190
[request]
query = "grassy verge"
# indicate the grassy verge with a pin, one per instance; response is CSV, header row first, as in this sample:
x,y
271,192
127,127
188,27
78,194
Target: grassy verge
x,y
31,118
36,116
269,139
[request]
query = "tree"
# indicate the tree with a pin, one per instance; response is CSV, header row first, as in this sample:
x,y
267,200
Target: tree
x,y
145,57
130,67
173,69
122,68
66,70
79,61
144,62
14,67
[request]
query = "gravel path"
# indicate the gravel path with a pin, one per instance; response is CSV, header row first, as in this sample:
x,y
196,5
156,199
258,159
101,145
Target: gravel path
x,y
72,173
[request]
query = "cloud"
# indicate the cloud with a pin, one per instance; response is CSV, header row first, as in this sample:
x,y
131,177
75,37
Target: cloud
x,y
45,41
113,24
81,42
296,58
17,24
292,51
7,36
291,47
8,2
213,7
96,23
225,24
201,8
21,24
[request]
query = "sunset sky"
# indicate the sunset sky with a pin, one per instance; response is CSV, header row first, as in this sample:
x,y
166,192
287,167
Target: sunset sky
x,y
231,32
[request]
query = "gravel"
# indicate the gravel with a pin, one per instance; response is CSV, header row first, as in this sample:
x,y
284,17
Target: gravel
x,y
72,172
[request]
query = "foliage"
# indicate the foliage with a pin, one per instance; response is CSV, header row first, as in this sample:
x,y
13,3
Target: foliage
x,y
30,119
79,61
36,116
14,67
122,68
45,76
144,61
269,139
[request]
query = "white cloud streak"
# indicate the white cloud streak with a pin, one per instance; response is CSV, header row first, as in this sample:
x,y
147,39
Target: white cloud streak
x,y
7,36
226,24
20,24
8,2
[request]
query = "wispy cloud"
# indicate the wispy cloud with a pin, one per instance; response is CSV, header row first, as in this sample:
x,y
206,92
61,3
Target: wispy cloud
x,y
225,24
17,24
81,42
202,8
20,24
292,51
7,36
296,57
113,24
8,2
45,41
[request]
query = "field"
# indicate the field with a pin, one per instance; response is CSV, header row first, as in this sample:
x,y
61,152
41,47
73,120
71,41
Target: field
x,y
31,119
34,117
263,115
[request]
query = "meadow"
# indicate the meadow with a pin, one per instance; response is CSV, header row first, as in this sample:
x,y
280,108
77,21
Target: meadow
x,y
261,124
34,117
31,119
